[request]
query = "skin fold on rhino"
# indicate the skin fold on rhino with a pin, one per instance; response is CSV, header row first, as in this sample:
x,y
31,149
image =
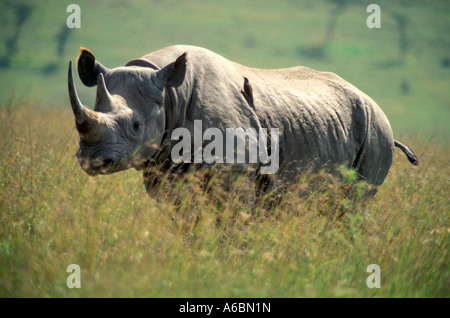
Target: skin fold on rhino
x,y
323,120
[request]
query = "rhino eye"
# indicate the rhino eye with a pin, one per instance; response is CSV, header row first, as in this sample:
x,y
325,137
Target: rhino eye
x,y
136,125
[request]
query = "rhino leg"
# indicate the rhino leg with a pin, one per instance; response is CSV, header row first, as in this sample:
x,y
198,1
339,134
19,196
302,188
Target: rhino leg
x,y
262,184
376,159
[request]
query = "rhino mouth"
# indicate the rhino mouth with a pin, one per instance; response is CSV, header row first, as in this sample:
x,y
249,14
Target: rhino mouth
x,y
101,166
110,165
139,164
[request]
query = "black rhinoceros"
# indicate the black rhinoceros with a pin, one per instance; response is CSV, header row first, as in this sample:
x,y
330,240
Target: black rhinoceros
x,y
320,119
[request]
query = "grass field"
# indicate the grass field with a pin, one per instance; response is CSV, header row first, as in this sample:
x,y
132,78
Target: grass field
x,y
130,244
183,243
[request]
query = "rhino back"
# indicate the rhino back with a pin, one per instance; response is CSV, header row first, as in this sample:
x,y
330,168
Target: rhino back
x,y
211,90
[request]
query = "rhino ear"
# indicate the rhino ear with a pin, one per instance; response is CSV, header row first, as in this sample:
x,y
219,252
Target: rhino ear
x,y
89,68
174,73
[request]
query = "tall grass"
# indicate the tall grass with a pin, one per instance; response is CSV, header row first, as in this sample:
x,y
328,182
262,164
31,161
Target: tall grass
x,y
181,242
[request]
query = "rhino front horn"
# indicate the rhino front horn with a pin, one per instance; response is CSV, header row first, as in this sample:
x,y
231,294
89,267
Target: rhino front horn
x,y
84,117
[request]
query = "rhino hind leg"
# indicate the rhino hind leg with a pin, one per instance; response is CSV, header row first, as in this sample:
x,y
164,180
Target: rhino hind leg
x,y
375,161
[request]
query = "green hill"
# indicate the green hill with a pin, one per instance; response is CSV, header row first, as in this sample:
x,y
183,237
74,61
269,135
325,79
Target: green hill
x,y
404,66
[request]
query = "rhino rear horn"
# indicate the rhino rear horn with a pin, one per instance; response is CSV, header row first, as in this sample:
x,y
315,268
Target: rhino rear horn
x,y
104,100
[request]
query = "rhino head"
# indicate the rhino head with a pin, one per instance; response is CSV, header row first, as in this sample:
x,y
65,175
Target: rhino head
x,y
127,124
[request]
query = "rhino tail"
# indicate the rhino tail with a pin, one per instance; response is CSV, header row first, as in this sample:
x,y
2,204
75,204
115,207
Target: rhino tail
x,y
408,151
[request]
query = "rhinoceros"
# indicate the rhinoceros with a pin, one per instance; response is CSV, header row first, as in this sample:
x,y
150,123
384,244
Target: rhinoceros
x,y
322,120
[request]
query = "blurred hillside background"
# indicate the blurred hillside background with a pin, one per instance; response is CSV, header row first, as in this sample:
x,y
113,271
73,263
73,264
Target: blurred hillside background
x,y
404,66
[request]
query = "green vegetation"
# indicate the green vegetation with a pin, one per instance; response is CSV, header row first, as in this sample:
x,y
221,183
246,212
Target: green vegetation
x,y
180,242
183,243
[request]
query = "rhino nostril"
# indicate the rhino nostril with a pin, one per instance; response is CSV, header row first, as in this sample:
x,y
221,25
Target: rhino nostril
x,y
84,163
107,163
